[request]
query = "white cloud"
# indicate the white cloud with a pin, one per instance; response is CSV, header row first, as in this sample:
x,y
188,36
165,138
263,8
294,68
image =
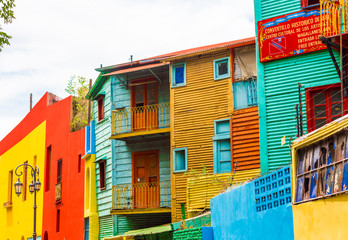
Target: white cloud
x,y
53,40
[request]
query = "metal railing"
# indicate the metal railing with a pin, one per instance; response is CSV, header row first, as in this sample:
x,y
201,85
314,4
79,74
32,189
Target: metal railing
x,y
141,195
333,14
142,118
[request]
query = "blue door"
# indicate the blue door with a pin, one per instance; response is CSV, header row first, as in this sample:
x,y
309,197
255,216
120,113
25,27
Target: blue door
x,y
223,156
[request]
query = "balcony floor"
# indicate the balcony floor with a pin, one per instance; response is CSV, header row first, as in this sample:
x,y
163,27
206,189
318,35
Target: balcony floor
x,y
140,211
125,136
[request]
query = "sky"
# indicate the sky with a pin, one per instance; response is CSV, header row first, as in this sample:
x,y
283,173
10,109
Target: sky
x,y
55,40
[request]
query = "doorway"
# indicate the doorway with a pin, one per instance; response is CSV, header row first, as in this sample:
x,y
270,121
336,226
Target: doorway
x,y
146,188
144,100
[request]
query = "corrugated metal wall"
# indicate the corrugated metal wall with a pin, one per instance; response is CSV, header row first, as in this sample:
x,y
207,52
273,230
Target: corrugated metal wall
x,y
103,151
127,223
194,109
105,227
245,144
202,189
273,8
281,94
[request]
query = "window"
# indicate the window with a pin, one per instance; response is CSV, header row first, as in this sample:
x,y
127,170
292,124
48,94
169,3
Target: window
x,y
323,105
180,160
48,168
245,94
178,74
86,235
58,221
101,107
102,174
59,170
222,146
79,164
322,168
310,3
222,68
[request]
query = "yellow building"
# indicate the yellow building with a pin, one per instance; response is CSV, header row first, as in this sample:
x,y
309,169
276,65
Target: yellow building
x,y
320,179
209,134
91,214
17,212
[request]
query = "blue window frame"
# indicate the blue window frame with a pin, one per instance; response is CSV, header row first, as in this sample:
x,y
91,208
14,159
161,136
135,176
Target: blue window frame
x,y
222,146
222,68
178,74
245,94
180,160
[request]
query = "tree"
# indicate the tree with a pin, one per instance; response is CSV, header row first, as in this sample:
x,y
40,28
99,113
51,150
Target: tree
x,y
6,13
78,88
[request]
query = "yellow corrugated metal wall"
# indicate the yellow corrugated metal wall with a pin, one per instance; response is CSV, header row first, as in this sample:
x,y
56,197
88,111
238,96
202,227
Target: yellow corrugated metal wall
x,y
245,144
194,108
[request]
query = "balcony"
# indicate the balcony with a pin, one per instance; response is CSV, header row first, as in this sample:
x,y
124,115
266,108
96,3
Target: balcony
x,y
143,120
135,198
333,17
58,192
201,189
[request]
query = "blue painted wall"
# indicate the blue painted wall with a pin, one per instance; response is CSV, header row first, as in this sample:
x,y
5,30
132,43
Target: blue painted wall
x,y
261,209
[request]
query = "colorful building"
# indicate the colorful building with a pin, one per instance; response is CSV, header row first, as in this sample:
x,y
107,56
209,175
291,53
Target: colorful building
x,y
91,222
43,138
131,114
214,122
320,179
296,68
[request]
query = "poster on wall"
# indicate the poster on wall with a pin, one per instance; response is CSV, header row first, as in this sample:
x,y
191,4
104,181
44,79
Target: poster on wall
x,y
289,35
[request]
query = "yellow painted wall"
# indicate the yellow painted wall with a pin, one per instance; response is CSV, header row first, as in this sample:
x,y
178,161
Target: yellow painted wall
x,y
323,218
17,221
194,108
90,197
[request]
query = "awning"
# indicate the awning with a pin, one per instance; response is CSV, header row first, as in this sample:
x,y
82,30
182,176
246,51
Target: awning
x,y
149,66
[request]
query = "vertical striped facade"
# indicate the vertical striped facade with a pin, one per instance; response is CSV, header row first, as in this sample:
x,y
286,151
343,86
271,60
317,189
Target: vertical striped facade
x,y
278,89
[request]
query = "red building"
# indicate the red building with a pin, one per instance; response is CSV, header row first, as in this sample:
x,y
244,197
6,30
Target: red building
x,y
62,174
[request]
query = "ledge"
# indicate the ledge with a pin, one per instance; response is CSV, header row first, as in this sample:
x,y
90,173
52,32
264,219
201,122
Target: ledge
x,y
140,211
7,204
123,136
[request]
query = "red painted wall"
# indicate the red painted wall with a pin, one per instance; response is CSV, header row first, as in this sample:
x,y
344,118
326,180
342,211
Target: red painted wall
x,y
66,146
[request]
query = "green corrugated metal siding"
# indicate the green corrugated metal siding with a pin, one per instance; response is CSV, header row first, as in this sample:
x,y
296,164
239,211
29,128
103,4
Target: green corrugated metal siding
x,y
103,150
281,93
127,223
273,8
105,227
188,234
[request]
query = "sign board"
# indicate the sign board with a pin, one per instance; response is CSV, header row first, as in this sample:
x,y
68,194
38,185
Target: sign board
x,y
289,35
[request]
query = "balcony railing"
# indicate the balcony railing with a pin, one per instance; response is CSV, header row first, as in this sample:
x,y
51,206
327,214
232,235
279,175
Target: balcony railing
x,y
333,17
142,118
58,192
141,195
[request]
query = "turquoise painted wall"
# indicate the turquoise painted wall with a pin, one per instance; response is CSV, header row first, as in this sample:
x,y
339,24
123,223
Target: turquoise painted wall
x,y
122,158
278,89
261,209
104,151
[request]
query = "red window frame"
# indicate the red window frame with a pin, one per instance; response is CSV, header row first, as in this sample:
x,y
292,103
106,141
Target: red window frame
x,y
101,107
310,104
102,174
310,3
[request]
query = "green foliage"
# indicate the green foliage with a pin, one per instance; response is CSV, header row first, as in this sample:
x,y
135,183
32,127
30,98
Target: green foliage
x,y
78,88
7,14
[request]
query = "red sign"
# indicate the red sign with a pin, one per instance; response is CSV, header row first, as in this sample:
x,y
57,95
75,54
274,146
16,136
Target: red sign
x,y
289,35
